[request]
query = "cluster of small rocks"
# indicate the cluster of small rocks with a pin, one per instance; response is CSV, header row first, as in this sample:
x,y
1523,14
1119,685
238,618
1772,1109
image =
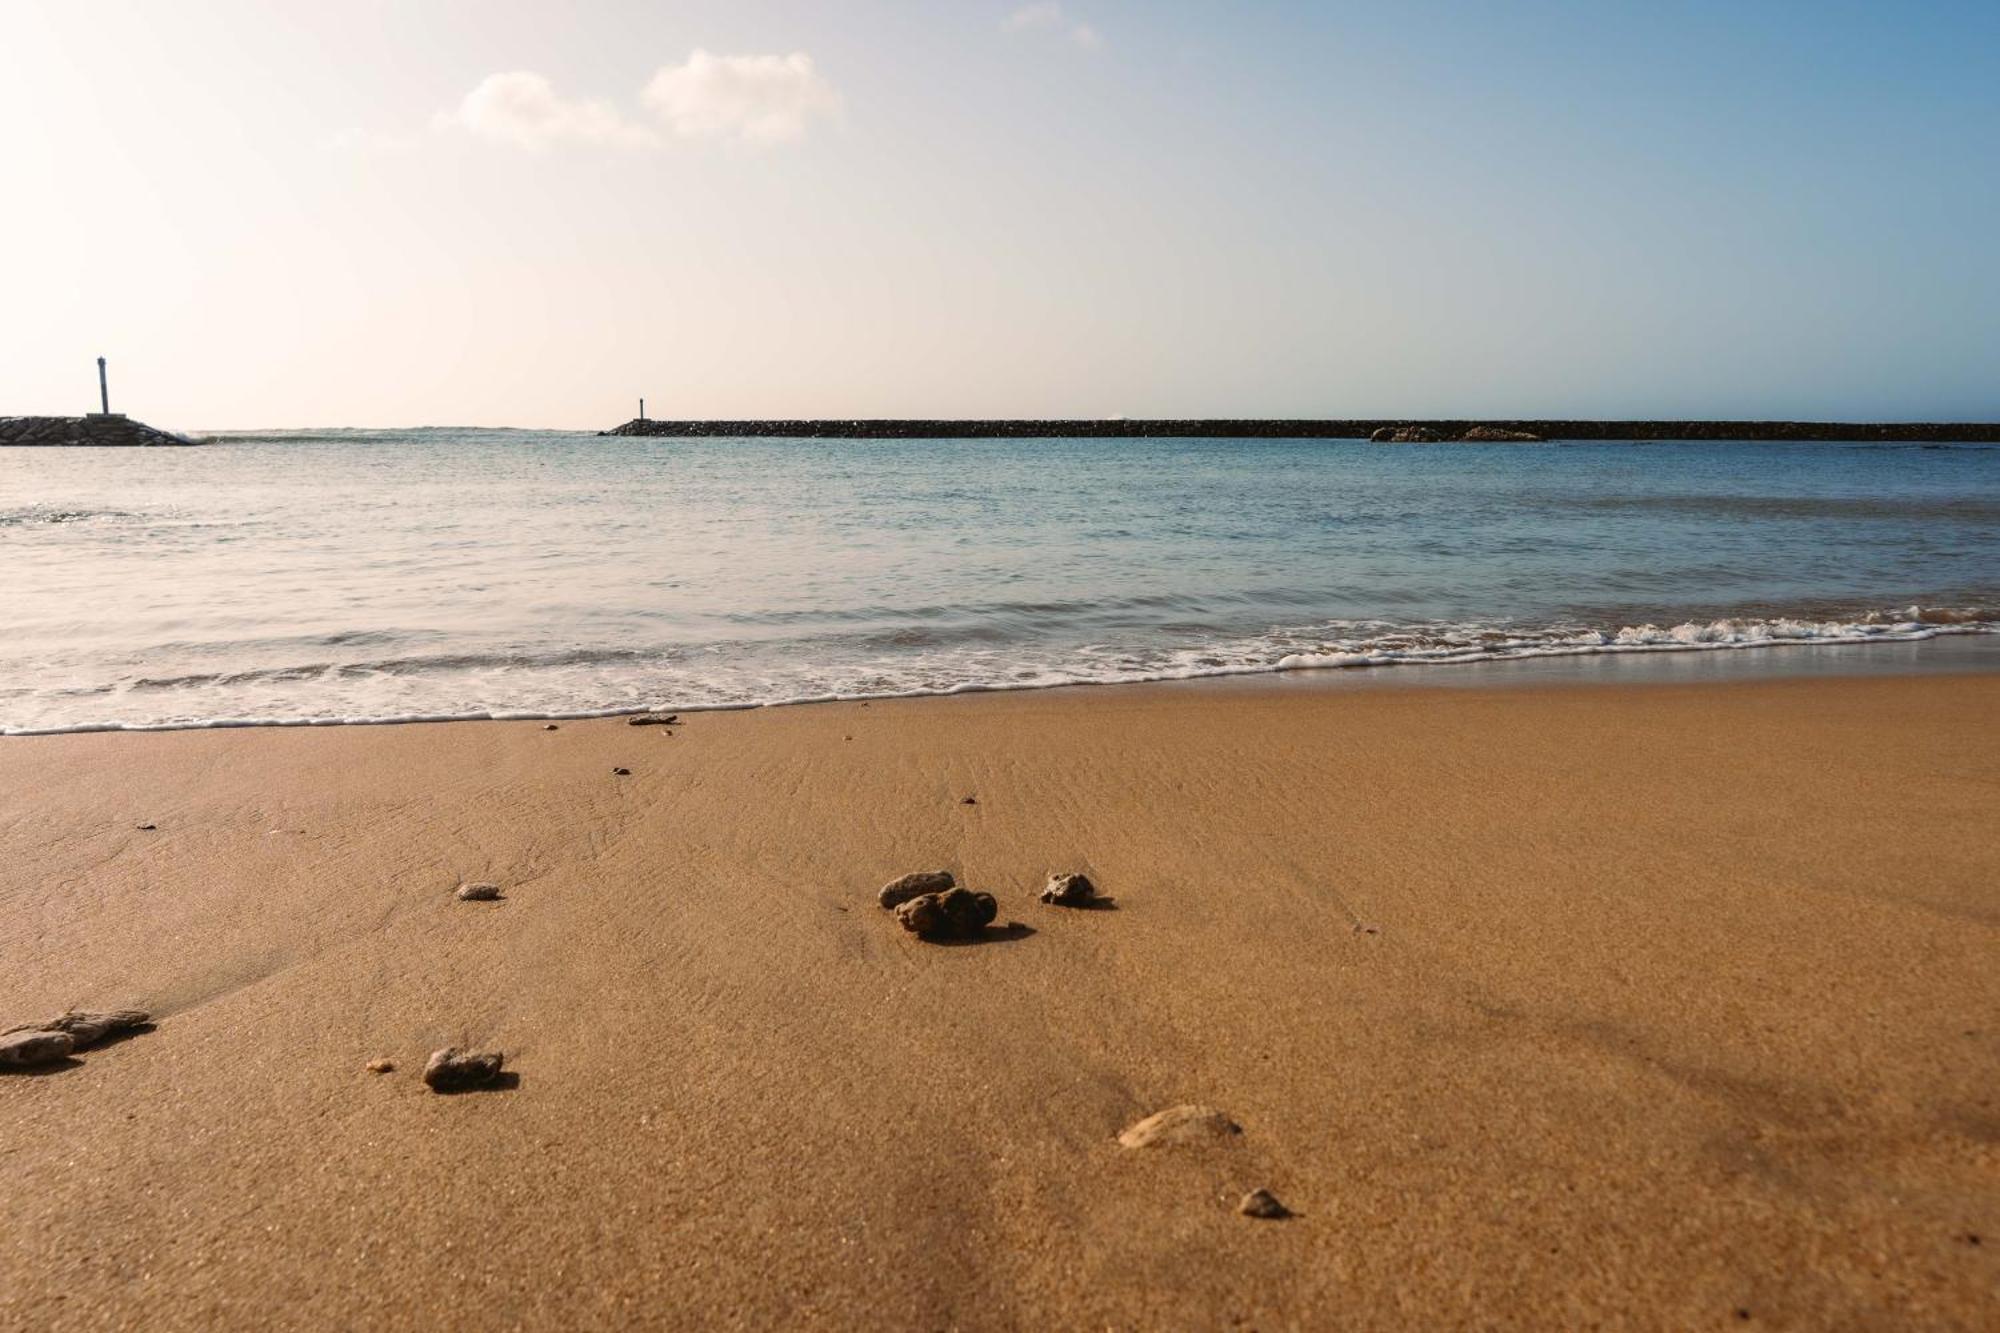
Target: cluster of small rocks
x,y
58,1038
932,905
96,429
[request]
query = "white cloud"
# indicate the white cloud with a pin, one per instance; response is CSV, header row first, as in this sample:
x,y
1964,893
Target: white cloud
x,y
760,99
1051,17
523,108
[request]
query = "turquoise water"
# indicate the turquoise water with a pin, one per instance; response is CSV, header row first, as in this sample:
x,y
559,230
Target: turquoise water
x,y
378,574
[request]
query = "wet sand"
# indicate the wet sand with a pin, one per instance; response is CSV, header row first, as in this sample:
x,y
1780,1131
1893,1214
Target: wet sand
x,y
1655,1007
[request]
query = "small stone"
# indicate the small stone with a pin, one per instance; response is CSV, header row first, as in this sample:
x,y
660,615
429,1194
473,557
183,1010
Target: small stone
x,y
621,772
27,1047
1263,1204
1069,890
453,1070
381,1066
1367,928
905,887
478,893
653,720
969,801
551,727
145,828
1177,1125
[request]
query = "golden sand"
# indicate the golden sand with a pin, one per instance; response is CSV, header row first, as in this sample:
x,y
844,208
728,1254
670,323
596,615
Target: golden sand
x,y
1662,1008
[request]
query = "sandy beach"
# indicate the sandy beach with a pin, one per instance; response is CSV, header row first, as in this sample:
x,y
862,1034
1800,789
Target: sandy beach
x,y
1656,1007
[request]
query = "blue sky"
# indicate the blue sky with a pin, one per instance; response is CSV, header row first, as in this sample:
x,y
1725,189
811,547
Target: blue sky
x,y
528,214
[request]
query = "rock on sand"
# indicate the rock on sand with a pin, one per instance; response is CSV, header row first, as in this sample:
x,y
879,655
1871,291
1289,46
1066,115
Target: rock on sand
x,y
1262,1204
905,887
1178,1125
1069,890
953,914
59,1037
26,1047
88,1027
453,1070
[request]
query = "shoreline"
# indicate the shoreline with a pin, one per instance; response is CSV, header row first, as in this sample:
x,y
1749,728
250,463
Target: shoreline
x,y
1944,649
1612,1005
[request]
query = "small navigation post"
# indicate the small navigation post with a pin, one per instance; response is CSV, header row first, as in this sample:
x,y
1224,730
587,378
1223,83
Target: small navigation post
x,y
103,389
642,409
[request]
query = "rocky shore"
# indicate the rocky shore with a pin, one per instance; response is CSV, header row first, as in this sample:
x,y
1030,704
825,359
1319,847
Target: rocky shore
x,y
1300,428
108,431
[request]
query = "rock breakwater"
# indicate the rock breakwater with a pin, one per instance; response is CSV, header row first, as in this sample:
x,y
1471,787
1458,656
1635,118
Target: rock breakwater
x,y
104,431
1304,429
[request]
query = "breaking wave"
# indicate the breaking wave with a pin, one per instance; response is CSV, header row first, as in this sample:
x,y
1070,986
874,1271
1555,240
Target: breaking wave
x,y
583,683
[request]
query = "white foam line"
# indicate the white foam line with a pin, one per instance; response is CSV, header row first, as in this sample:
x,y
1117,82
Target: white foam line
x,y
1506,651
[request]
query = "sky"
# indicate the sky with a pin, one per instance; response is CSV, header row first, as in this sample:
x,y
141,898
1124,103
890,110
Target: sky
x,y
497,212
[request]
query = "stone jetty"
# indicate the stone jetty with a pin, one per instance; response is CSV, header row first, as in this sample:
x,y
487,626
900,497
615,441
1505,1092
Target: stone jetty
x,y
1274,428
106,430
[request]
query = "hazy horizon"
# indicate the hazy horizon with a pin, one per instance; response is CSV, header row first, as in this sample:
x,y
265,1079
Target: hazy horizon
x,y
504,214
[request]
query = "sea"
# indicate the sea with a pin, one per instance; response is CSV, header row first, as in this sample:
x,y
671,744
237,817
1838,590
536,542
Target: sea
x,y
376,575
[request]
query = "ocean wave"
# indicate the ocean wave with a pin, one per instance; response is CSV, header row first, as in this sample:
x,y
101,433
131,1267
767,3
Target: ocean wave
x,y
35,515
583,683
1450,647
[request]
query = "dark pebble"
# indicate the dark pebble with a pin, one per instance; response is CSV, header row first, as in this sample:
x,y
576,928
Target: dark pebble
x,y
1069,890
1262,1204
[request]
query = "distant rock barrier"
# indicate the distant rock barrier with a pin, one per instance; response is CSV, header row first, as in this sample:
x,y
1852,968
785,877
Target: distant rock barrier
x,y
1476,435
1269,428
105,431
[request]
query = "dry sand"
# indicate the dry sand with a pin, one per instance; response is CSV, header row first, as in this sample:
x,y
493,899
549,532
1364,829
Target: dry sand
x,y
1677,1008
